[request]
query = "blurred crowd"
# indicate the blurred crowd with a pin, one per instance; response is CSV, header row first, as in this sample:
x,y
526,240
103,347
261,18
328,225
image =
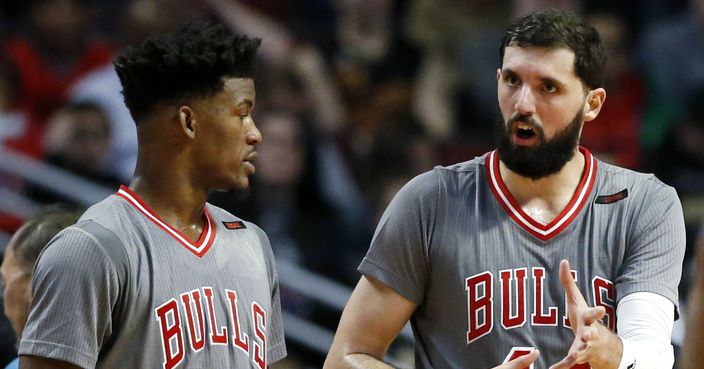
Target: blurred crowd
x,y
354,97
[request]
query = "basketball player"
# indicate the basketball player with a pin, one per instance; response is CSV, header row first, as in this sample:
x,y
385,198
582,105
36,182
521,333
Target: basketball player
x,y
153,276
471,253
21,253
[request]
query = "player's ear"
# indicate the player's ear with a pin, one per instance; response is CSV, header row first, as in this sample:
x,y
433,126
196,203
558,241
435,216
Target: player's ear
x,y
498,74
594,102
187,120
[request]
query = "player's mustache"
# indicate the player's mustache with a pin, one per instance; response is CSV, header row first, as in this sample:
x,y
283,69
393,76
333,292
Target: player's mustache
x,y
522,118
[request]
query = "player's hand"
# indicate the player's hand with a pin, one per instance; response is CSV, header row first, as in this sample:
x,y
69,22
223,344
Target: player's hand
x,y
593,343
520,362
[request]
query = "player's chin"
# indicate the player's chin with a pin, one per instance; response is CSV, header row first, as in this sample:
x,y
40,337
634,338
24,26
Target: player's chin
x,y
237,182
241,182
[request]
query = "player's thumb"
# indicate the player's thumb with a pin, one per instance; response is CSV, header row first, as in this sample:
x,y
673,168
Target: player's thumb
x,y
523,361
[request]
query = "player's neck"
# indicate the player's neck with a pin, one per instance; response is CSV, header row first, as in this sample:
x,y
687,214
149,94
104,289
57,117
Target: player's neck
x,y
165,179
545,198
172,197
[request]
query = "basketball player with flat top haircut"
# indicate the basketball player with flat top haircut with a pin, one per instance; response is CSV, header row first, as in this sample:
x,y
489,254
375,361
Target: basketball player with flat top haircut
x,y
535,255
153,276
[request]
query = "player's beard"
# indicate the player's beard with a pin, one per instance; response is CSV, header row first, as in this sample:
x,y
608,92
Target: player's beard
x,y
546,157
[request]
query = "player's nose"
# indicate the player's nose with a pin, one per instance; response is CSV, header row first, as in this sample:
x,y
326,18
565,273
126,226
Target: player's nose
x,y
525,101
254,136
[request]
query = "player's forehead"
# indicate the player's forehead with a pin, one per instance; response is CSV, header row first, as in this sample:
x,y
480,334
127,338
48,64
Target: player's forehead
x,y
540,62
239,91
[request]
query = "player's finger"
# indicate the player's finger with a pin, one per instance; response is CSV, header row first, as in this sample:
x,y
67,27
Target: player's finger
x,y
567,362
568,284
588,333
522,361
593,314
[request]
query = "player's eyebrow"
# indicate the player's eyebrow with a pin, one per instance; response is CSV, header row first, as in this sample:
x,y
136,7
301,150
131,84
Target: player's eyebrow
x,y
508,72
553,81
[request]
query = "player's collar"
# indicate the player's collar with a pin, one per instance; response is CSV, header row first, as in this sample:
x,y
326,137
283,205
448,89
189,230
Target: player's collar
x,y
568,214
199,248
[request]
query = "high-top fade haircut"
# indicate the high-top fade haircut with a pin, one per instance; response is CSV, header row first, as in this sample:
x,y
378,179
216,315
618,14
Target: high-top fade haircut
x,y
189,62
553,28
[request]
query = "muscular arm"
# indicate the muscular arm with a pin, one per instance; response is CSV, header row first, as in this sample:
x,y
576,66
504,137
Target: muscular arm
x,y
373,317
36,362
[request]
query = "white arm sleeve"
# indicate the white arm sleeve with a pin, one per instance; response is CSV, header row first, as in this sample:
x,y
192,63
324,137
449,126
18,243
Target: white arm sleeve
x,y
644,324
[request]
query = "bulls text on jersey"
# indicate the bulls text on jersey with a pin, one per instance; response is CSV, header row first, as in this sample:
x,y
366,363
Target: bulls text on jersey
x,y
513,300
196,304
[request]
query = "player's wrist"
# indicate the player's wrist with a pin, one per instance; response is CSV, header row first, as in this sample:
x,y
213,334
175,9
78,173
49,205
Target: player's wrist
x,y
611,351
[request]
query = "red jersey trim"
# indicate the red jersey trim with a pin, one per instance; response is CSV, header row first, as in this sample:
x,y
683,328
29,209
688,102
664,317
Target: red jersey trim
x,y
201,246
511,206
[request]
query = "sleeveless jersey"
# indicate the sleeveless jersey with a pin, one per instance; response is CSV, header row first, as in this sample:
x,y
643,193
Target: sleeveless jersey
x,y
485,274
123,289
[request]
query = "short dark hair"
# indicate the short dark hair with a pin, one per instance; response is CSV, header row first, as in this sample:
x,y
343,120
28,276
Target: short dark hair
x,y
554,28
188,62
40,229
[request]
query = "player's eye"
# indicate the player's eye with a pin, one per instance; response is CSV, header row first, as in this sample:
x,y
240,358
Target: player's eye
x,y
243,114
512,80
550,87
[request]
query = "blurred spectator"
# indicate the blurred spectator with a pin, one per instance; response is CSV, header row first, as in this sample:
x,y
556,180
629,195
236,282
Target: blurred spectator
x,y
102,88
57,48
18,263
288,201
365,29
15,133
680,162
454,89
672,54
77,140
13,122
614,136
18,127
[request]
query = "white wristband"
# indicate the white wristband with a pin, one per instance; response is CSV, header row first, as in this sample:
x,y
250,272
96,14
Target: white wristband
x,y
628,357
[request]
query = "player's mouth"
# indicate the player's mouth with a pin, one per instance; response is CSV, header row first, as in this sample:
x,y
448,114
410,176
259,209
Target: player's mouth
x,y
524,134
248,162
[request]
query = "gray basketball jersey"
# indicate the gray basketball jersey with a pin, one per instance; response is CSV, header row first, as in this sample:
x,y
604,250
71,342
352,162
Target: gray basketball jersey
x,y
123,289
485,275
